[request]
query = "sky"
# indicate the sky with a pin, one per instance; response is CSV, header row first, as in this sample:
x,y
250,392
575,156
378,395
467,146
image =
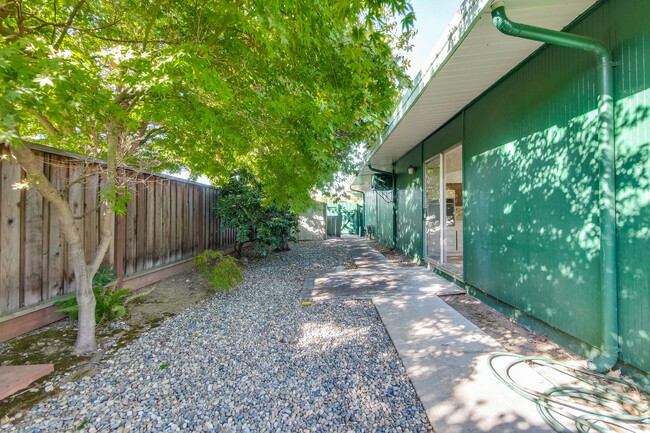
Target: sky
x,y
432,18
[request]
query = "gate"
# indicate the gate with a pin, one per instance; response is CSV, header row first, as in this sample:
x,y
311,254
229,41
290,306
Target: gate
x,y
344,218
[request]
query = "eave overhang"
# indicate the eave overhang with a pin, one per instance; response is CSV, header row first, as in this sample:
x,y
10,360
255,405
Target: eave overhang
x,y
471,57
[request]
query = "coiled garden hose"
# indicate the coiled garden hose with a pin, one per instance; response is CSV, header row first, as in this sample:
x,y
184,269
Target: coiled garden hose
x,y
594,406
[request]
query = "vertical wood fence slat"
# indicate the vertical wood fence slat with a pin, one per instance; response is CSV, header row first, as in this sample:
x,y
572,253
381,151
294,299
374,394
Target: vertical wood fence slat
x,y
45,234
151,223
32,258
90,213
76,200
56,252
141,226
9,236
130,252
172,221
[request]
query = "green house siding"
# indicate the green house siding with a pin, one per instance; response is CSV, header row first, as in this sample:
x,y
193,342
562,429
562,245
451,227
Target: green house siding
x,y
531,173
379,215
444,138
409,204
530,192
632,23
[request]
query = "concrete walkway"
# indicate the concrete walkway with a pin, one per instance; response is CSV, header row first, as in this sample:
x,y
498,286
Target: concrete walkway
x,y
444,354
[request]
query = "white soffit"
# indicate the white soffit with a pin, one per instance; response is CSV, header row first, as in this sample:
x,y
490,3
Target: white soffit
x,y
471,57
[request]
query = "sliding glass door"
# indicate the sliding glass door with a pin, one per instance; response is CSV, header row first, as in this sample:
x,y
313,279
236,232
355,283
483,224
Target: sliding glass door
x,y
443,210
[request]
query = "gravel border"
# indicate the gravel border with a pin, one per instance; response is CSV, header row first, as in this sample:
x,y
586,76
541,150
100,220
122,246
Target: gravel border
x,y
252,360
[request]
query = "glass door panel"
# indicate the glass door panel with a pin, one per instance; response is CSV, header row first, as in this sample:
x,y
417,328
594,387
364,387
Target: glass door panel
x,y
443,210
453,184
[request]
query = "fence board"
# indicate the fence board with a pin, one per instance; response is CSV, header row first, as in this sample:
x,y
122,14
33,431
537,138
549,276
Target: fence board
x,y
151,223
141,226
32,257
91,215
130,253
76,199
56,251
172,221
187,216
9,236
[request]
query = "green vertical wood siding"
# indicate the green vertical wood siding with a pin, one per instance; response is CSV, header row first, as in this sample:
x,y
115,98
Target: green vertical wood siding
x,y
409,205
530,198
444,138
632,51
531,233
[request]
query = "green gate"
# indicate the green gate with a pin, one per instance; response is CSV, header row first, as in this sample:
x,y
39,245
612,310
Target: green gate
x,y
344,218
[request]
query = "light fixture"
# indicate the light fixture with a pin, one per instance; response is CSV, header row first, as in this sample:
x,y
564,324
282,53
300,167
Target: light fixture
x,y
411,169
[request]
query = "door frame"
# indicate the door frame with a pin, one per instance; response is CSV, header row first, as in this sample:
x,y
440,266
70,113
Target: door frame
x,y
443,213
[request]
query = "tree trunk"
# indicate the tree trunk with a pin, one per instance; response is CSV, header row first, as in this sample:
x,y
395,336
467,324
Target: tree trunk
x,y
83,275
86,342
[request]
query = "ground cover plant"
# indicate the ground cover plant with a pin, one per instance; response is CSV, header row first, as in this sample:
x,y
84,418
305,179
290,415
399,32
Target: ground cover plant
x,y
220,269
110,303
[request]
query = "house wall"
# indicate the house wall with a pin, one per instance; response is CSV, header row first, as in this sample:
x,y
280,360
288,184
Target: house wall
x,y
530,168
409,204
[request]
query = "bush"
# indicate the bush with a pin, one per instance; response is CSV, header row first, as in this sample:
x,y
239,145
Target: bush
x,y
277,229
241,205
109,303
221,270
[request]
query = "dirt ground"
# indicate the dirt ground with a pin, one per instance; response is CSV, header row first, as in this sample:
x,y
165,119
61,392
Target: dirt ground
x,y
53,343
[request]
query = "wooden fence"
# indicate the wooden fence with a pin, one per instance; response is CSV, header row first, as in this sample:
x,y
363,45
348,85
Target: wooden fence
x,y
168,221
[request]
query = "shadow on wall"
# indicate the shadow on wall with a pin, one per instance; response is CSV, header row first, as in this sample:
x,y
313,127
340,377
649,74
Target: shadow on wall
x,y
409,215
633,224
532,223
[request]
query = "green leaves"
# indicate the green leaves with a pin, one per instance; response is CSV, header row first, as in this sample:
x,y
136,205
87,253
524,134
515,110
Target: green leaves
x,y
109,303
284,90
242,205
221,270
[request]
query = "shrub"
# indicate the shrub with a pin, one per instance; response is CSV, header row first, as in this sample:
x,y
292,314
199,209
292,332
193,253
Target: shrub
x,y
277,229
221,270
241,205
109,303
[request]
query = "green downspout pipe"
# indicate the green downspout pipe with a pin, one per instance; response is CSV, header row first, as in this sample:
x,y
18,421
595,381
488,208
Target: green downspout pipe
x,y
363,200
394,247
607,200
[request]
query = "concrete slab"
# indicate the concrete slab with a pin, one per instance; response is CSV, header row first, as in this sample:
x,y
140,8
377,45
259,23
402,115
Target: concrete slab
x,y
446,358
13,378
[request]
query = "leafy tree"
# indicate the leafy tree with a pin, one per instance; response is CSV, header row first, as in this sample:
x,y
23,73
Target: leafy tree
x,y
239,206
280,88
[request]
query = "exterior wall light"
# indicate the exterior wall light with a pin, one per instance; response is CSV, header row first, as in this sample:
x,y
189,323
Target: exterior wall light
x,y
411,169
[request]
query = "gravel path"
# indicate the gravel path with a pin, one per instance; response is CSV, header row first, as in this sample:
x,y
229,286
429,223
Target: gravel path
x,y
253,360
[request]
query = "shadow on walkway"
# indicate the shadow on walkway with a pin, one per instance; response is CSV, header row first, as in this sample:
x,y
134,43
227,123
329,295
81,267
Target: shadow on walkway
x,y
444,354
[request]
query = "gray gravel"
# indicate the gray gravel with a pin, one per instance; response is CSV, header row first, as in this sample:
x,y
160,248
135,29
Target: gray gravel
x,y
253,360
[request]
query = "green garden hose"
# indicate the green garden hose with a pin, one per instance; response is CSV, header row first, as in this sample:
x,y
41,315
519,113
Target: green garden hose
x,y
594,406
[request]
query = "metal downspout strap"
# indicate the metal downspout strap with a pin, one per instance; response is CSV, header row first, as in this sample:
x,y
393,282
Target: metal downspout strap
x,y
606,154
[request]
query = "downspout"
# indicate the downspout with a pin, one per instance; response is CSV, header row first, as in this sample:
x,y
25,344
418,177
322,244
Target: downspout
x,y
394,201
606,186
362,222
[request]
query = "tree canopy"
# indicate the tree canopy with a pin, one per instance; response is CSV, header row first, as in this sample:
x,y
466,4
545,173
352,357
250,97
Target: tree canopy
x,y
280,87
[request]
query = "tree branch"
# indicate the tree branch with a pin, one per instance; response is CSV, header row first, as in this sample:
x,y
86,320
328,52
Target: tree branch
x,y
73,14
44,121
106,219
